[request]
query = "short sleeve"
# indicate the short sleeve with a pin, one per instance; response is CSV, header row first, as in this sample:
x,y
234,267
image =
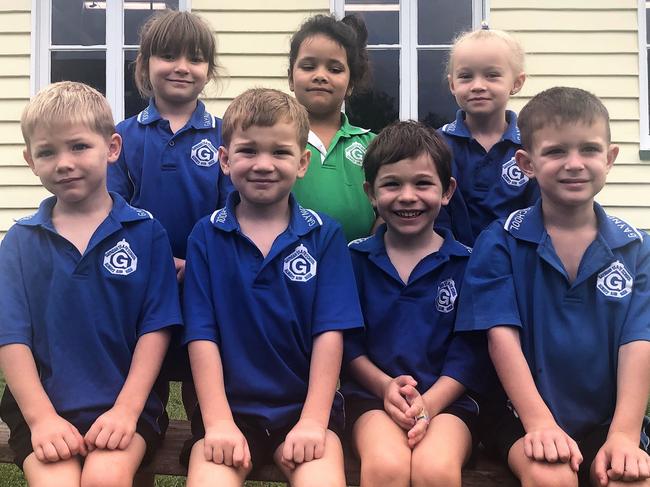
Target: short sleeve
x,y
198,306
336,304
488,296
15,319
468,361
161,305
637,320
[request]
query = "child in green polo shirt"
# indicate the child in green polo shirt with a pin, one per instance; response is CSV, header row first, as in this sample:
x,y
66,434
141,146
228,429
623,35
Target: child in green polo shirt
x,y
327,60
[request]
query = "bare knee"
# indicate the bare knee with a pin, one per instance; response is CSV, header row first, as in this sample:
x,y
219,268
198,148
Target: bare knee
x,y
435,472
115,476
539,474
386,467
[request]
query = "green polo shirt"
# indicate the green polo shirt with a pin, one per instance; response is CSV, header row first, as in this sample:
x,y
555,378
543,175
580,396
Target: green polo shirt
x,y
334,180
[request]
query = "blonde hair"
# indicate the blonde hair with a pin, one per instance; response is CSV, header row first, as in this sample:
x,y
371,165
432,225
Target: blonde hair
x,y
67,103
264,107
516,49
176,33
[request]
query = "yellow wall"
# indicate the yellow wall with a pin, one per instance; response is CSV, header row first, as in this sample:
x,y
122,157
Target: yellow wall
x,y
591,45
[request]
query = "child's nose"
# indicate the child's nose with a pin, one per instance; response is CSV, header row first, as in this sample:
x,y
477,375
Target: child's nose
x,y
182,64
407,193
64,163
573,161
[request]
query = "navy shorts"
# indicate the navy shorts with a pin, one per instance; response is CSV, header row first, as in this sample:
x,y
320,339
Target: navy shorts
x,y
20,438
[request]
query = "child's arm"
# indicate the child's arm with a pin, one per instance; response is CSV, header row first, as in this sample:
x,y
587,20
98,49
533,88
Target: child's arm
x,y
620,458
224,443
386,388
53,438
544,440
115,428
306,440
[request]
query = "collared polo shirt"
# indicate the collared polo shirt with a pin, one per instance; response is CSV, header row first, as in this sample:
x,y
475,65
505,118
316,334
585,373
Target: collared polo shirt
x,y
570,331
409,327
82,315
490,184
264,312
334,180
175,176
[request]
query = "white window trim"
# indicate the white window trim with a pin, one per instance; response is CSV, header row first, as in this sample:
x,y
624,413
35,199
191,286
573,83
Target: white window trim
x,y
408,106
644,122
41,59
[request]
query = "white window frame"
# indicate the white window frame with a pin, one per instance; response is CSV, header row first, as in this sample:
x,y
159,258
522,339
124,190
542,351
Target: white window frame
x,y
408,42
644,117
42,47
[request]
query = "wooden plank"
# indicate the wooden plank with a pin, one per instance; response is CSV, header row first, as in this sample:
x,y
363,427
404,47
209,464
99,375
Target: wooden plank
x,y
563,4
15,87
18,176
260,43
625,194
253,22
16,6
15,22
252,65
629,153
635,216
602,86
622,173
22,196
7,219
12,110
13,44
10,132
14,65
245,5
12,155
234,86
619,108
583,64
574,42
538,19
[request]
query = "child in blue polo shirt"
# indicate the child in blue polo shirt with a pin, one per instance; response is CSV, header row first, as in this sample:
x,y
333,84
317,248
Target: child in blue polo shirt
x,y
87,294
485,68
268,290
405,391
564,292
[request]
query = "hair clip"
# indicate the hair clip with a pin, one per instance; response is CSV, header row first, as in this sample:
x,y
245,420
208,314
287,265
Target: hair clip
x,y
484,25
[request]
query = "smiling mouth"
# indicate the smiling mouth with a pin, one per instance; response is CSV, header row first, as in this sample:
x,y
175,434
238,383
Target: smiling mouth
x,y
67,180
408,213
184,81
318,90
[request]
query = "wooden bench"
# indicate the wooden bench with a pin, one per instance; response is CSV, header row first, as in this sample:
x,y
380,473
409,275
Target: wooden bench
x,y
484,473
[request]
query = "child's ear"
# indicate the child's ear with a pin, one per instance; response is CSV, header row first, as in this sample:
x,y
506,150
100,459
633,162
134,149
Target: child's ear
x,y
525,163
518,84
290,78
612,154
224,161
27,155
370,192
450,80
114,147
446,197
303,164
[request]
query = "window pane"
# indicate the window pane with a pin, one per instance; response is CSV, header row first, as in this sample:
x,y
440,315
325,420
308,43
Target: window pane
x,y
436,105
647,26
136,13
133,102
648,57
88,67
78,23
372,2
380,105
440,22
383,27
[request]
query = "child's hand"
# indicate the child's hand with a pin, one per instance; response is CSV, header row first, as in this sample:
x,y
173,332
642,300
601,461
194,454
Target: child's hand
x,y
304,443
551,444
112,430
620,458
179,264
395,403
225,444
54,439
418,414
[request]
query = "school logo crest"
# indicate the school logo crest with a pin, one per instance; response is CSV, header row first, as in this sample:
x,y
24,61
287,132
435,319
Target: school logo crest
x,y
447,295
355,152
121,260
300,266
615,281
512,175
204,154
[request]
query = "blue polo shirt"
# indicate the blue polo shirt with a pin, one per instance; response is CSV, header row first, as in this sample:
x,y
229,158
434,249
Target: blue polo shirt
x,y
176,177
409,328
82,315
490,184
263,312
570,332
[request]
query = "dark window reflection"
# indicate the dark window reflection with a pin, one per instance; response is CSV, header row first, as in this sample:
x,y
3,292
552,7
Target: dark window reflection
x,y
379,106
133,102
78,23
87,67
135,15
383,27
647,26
440,22
436,105
374,2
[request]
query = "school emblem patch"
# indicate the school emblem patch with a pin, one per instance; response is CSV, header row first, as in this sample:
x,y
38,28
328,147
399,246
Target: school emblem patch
x,y
204,154
512,175
615,281
355,152
447,295
121,260
300,266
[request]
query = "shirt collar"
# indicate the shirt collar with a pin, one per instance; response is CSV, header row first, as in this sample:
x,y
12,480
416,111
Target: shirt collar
x,y
459,128
345,130
121,212
200,119
528,224
302,220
